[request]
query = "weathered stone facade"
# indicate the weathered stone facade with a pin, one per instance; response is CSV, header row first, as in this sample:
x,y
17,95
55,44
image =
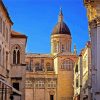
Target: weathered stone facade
x,y
93,12
6,88
82,74
17,61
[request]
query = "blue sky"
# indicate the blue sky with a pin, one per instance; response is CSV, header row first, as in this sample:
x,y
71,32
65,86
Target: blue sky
x,y
37,18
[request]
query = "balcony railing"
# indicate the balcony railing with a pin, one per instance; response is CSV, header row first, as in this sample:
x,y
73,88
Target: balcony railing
x,y
39,68
50,69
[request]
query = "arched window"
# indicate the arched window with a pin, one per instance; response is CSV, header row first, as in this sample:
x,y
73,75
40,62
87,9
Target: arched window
x,y
55,47
67,65
38,67
16,55
62,49
49,67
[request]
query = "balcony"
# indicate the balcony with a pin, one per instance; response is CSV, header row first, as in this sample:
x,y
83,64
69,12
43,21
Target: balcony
x,y
39,69
50,69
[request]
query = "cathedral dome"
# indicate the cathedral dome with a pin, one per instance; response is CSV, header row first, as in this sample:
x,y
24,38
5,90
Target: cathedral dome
x,y
61,27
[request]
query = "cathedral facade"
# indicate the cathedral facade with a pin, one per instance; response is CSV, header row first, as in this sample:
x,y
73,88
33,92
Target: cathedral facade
x,y
50,76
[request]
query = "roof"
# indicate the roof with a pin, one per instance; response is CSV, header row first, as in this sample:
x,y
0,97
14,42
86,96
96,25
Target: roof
x,y
38,55
61,27
17,35
5,9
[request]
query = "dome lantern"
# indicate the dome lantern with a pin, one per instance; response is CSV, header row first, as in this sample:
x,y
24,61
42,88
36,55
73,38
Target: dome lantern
x,y
60,18
61,27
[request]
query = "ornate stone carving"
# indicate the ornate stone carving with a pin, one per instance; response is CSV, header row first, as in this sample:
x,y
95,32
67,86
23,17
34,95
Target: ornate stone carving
x,y
51,92
88,1
94,23
98,20
91,12
28,83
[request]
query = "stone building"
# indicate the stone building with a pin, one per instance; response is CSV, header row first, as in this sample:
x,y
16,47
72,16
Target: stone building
x,y
86,72
93,14
77,78
6,89
5,29
17,61
82,74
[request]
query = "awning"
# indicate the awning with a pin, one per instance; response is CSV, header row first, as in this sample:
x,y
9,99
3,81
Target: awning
x,y
5,83
9,86
16,91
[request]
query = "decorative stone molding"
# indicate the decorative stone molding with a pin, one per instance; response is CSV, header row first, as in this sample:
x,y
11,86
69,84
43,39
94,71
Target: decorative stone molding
x,y
98,20
28,83
94,23
40,83
88,1
51,92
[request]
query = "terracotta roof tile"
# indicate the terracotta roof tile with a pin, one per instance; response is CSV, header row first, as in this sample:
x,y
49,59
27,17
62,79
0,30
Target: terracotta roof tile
x,y
17,35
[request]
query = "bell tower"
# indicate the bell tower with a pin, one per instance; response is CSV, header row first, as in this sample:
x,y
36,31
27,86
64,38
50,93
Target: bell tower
x,y
63,64
60,37
93,14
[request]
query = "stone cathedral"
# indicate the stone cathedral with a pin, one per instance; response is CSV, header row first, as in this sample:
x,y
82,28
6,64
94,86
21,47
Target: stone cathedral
x,y
50,76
